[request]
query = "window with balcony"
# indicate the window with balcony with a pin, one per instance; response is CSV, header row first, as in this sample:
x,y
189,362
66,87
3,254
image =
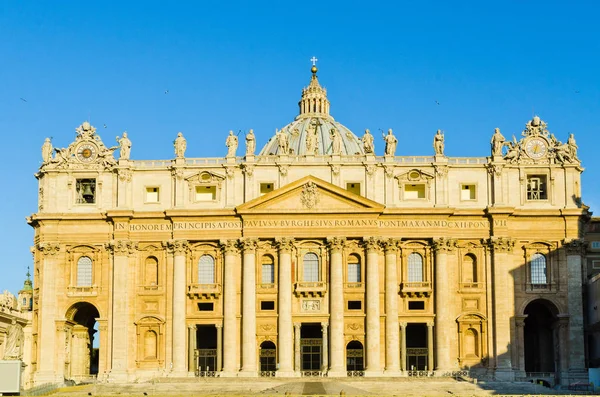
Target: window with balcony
x,y
415,268
538,269
268,270
354,275
206,270
84,271
311,267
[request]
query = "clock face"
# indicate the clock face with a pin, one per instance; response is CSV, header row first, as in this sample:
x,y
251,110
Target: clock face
x,y
536,148
86,152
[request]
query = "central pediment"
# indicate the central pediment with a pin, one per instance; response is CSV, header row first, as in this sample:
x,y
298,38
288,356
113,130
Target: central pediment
x,y
310,195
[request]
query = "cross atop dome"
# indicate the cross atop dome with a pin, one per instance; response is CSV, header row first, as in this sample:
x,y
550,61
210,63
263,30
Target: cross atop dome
x,y
314,65
314,102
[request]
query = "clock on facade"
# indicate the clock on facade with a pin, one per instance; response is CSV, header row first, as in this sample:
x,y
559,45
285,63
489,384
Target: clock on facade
x,y
536,148
86,152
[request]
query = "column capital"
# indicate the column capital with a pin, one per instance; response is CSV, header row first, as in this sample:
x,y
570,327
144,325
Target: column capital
x,y
429,324
297,326
501,244
218,325
336,243
575,246
444,244
122,247
192,327
371,243
520,321
285,244
390,245
248,244
48,248
177,247
403,324
324,325
229,246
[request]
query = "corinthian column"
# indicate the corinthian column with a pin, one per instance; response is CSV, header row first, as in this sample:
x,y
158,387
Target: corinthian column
x,y
284,327
336,306
47,314
445,324
503,304
392,348
179,249
121,249
249,307
230,345
373,327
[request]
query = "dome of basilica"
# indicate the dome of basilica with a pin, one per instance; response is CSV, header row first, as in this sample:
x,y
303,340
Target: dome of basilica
x,y
312,130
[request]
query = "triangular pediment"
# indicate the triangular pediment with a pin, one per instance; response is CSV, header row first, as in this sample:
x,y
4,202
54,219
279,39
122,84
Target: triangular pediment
x,y
309,195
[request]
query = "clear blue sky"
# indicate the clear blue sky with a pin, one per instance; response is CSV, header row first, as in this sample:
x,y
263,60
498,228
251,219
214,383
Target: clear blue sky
x,y
238,65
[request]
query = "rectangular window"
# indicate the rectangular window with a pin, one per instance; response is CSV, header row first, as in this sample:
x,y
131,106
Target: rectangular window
x,y
206,193
596,264
467,192
311,271
354,272
414,192
267,305
354,305
268,273
416,305
353,187
537,187
152,195
595,245
266,188
86,191
206,307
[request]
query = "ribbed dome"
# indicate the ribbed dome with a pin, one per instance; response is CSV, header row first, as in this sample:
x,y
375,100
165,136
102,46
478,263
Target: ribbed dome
x,y
310,132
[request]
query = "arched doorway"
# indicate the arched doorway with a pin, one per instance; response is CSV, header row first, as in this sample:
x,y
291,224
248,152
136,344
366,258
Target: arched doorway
x,y
355,363
82,341
268,358
540,337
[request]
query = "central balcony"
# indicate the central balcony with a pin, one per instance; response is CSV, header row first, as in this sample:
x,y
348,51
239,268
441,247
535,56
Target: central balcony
x,y
416,289
313,288
204,291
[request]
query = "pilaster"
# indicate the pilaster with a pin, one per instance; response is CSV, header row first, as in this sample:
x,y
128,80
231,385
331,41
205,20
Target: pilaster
x,y
249,307
336,306
285,332
179,249
373,367
392,347
230,331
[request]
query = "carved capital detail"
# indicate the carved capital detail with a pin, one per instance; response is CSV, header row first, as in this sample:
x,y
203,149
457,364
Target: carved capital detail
x,y
283,169
389,170
494,169
122,247
178,247
371,243
125,175
389,245
575,246
49,248
285,244
441,170
229,247
336,244
177,173
248,169
444,244
501,244
370,168
248,244
229,172
335,169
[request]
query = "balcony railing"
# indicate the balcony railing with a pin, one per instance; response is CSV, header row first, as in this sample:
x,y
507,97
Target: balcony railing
x,y
314,288
266,287
355,287
541,288
421,288
205,291
90,290
471,286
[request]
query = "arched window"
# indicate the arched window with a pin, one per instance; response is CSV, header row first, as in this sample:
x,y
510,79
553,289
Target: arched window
x,y
469,269
311,267
151,271
150,348
206,270
354,275
538,269
415,268
84,272
268,270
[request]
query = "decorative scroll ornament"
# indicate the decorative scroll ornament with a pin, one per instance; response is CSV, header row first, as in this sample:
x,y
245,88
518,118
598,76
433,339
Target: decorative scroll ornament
x,y
122,247
310,195
445,244
178,247
49,248
501,244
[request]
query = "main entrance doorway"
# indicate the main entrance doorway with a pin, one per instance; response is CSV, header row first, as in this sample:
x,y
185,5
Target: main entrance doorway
x,y
311,343
540,337
206,353
416,347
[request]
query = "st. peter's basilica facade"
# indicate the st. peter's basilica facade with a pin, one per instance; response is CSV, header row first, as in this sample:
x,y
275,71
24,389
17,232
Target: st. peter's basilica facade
x,y
310,257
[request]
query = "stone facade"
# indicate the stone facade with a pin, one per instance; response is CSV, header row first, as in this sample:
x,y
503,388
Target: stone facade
x,y
313,257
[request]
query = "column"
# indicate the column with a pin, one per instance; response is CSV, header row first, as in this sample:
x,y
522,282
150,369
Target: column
x,y
297,355
249,307
230,332
285,334
373,366
563,345
47,314
336,306
520,342
392,347
575,250
430,362
219,328
403,347
191,348
121,249
179,249
502,248
325,351
445,324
